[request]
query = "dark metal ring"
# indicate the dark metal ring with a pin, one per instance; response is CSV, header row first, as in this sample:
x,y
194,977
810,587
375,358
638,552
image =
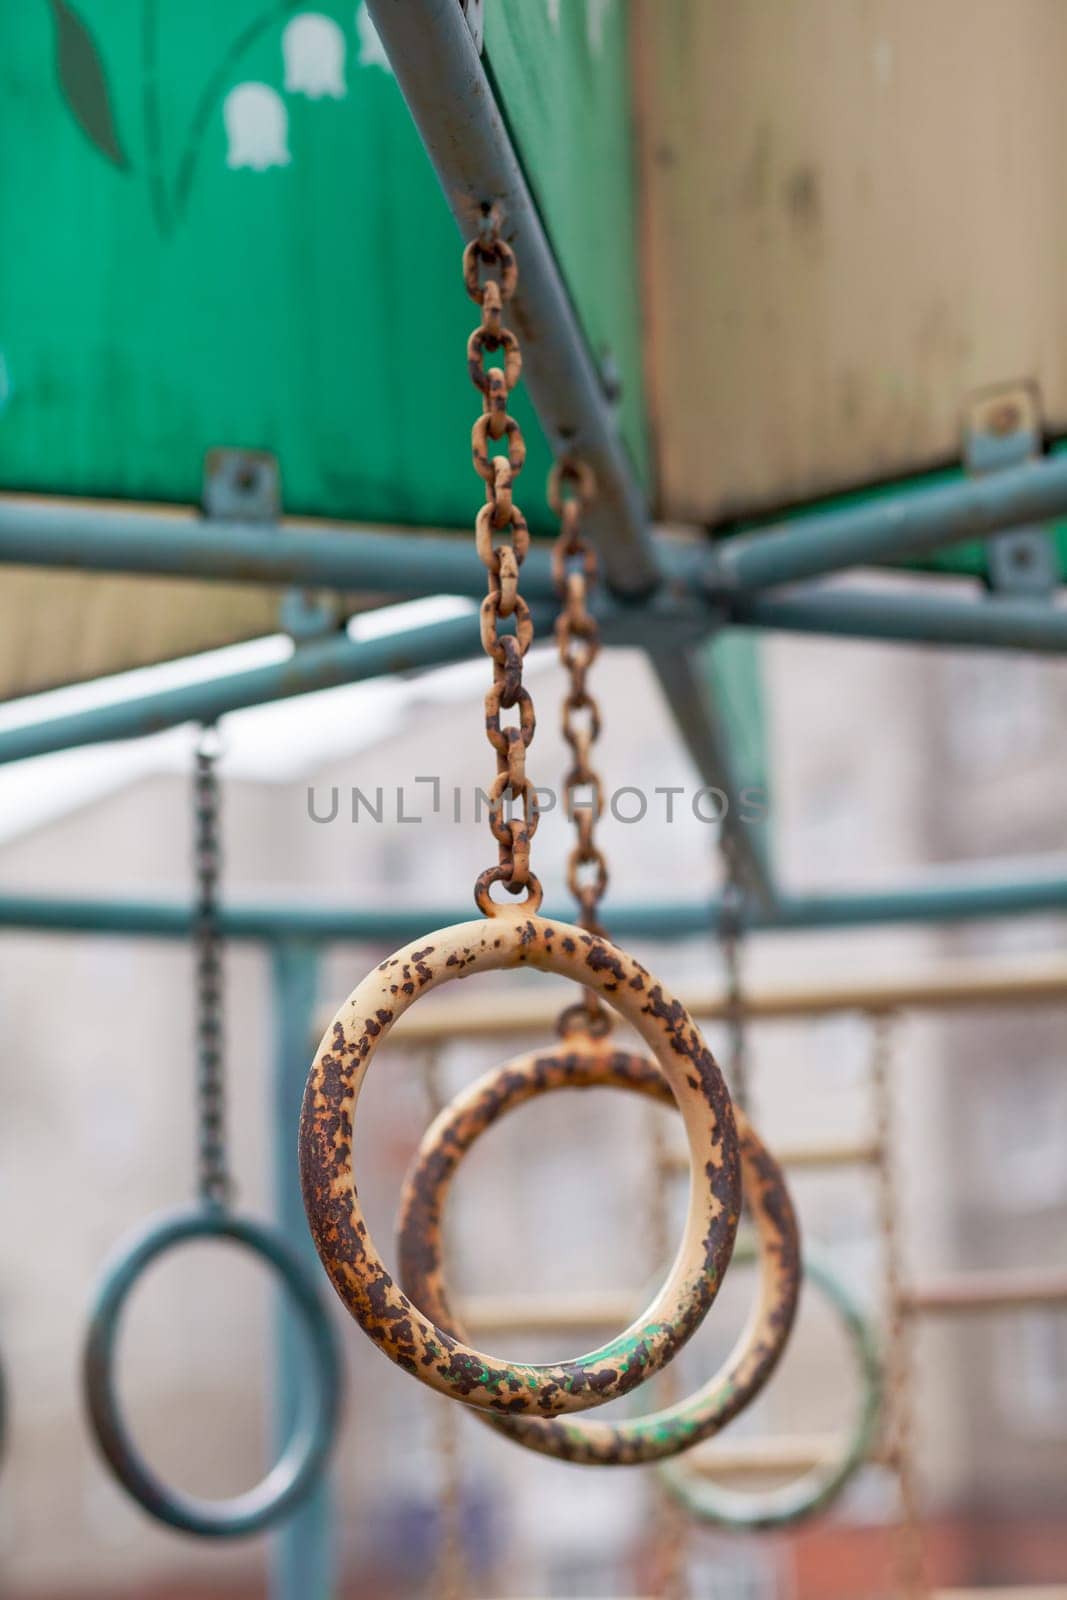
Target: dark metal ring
x,y
311,1437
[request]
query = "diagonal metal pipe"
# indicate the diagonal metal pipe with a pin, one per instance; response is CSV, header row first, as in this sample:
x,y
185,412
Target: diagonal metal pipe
x,y
983,623
452,104
912,523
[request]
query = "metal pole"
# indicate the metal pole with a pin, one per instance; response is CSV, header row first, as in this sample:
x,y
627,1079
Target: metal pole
x,y
452,104
972,1292
1040,980
324,664
958,900
177,541
302,1553
759,1458
330,662
174,541
912,523
984,623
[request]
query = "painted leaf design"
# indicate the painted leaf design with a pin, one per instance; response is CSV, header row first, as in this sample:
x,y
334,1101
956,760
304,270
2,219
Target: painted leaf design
x,y
84,83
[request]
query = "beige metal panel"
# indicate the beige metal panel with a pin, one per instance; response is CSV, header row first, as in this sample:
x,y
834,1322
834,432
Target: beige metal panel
x,y
853,215
59,628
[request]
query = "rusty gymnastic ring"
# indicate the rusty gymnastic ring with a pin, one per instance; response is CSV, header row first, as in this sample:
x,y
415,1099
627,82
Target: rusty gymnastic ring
x,y
593,1063
815,1491
512,937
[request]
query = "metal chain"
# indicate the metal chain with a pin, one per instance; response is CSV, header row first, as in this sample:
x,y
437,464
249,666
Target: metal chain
x,y
213,1181
451,1579
571,488
908,1572
502,539
731,931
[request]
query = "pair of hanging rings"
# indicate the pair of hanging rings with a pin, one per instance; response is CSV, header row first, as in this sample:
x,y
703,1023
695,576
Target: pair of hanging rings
x,y
593,1063
413,1322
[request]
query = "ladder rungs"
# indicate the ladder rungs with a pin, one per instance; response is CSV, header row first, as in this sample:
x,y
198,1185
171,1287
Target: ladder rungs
x,y
549,1313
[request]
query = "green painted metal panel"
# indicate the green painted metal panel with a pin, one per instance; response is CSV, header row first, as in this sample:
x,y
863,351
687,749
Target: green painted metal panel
x,y
221,229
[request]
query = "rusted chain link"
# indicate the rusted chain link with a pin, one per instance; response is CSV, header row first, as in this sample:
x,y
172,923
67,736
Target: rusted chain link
x,y
571,487
502,538
908,1574
213,1184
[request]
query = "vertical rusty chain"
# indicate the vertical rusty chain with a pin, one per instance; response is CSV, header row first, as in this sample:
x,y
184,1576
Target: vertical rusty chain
x,y
571,488
502,538
213,1181
908,1574
451,1579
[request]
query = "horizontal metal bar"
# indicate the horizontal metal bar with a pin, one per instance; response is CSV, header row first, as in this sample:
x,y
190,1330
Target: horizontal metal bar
x,y
329,924
177,542
913,523
955,902
321,664
985,623
967,1293
496,1314
1038,980
451,102
955,899
806,1157
789,1455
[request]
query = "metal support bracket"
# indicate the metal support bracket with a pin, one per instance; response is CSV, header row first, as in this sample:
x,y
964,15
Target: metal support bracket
x,y
1002,430
246,486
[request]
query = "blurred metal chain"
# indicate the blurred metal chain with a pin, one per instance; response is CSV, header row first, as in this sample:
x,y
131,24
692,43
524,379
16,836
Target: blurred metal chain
x,y
571,488
731,932
451,1578
502,540
908,1574
213,1180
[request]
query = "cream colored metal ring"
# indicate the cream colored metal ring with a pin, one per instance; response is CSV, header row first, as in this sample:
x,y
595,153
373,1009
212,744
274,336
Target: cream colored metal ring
x,y
587,1063
508,939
